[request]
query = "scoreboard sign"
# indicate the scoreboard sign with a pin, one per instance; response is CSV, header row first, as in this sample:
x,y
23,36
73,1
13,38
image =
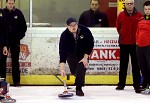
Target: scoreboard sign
x,y
121,5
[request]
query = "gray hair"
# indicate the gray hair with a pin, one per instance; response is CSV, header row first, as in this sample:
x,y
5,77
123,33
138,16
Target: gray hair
x,y
126,1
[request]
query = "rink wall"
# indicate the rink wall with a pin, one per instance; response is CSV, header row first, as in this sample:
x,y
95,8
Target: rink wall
x,y
39,57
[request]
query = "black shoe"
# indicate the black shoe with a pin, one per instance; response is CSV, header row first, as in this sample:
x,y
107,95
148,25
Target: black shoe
x,y
79,91
120,88
139,90
17,84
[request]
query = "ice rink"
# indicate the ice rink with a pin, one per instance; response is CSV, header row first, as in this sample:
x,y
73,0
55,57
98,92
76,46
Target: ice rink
x,y
93,94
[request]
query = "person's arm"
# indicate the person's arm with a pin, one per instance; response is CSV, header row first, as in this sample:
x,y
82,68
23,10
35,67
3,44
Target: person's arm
x,y
118,25
82,19
62,54
88,48
89,42
84,60
23,26
137,31
5,35
105,21
62,69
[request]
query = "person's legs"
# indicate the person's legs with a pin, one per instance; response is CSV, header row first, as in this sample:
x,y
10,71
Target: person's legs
x,y
80,78
78,70
2,64
147,55
72,62
15,51
135,67
1,71
143,65
124,59
1,53
80,74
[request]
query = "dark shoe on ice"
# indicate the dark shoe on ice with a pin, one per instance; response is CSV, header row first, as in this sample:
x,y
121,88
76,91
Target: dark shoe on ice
x,y
79,93
17,84
120,88
139,90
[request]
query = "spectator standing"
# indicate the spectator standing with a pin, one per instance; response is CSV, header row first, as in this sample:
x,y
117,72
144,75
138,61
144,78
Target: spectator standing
x,y
94,17
143,45
126,25
16,28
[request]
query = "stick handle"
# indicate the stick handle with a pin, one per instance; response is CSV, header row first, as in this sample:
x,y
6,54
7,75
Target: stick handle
x,y
65,86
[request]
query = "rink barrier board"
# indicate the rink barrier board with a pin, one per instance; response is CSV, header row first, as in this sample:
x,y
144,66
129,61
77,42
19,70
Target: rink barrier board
x,y
52,80
38,63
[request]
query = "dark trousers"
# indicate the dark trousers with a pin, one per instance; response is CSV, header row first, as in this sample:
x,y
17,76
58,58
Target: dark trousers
x,y
125,51
14,50
2,65
143,54
77,69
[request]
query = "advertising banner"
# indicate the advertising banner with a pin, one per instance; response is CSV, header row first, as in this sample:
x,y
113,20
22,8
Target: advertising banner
x,y
105,56
24,58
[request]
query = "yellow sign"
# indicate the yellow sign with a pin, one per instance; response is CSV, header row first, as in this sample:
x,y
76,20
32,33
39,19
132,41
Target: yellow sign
x,y
121,5
52,80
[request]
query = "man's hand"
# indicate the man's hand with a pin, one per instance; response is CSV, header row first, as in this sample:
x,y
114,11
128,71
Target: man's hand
x,y
62,69
5,51
63,73
85,60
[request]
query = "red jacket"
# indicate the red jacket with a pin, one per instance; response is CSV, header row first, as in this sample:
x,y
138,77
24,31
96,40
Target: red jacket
x,y
127,25
143,32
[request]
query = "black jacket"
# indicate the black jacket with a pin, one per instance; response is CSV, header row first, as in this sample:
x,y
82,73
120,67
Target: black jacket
x,y
3,31
83,45
91,19
16,24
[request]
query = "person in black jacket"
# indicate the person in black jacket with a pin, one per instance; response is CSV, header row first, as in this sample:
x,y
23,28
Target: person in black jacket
x,y
94,17
76,44
16,28
3,43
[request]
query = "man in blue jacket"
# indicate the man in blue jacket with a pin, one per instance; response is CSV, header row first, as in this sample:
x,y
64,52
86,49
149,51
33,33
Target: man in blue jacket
x,y
76,44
